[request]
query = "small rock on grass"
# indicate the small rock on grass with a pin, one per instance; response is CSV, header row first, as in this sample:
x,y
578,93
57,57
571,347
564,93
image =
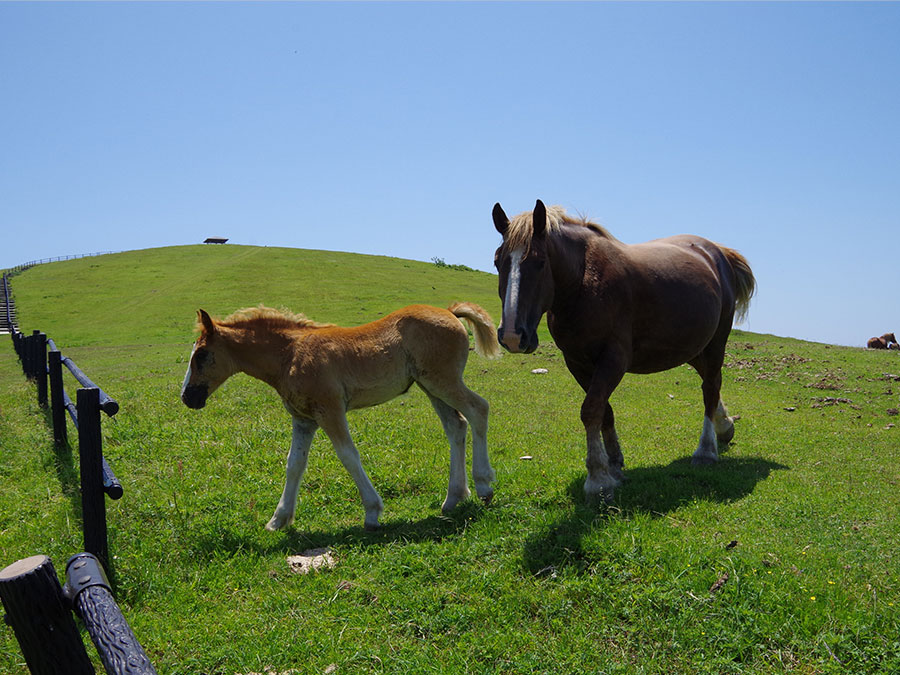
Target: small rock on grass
x,y
312,560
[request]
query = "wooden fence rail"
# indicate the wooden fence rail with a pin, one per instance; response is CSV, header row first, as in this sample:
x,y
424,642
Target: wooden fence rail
x,y
39,611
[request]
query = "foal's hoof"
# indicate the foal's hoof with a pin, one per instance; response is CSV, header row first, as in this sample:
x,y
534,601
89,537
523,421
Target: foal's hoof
x,y
372,527
704,460
279,523
485,495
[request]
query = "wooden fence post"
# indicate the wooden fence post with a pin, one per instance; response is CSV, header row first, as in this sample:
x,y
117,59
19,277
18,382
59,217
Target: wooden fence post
x,y
28,354
92,600
40,368
41,618
90,452
57,403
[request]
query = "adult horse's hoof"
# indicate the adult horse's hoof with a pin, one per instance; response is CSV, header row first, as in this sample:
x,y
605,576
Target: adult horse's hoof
x,y
372,527
596,493
725,436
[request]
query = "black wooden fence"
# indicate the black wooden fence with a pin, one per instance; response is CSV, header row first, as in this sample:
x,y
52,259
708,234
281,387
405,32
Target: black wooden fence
x,y
37,607
43,363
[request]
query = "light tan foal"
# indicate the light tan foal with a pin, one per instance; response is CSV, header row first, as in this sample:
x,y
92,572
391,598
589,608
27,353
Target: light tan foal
x,y
321,371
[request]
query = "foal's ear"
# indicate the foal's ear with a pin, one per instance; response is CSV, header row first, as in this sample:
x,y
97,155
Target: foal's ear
x,y
206,321
501,222
539,218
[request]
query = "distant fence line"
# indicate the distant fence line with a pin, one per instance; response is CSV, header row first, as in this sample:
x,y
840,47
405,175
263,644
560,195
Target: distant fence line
x,y
38,609
60,258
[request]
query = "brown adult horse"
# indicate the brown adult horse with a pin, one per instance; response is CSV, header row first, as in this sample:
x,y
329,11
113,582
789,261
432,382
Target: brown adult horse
x,y
321,371
883,342
614,308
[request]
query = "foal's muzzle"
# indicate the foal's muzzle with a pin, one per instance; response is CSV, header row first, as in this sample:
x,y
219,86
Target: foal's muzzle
x,y
195,396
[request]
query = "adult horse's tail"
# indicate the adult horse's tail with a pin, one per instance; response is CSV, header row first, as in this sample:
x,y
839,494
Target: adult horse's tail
x,y
744,282
482,326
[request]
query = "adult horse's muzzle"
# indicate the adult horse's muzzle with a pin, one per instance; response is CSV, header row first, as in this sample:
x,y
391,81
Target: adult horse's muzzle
x,y
518,341
195,395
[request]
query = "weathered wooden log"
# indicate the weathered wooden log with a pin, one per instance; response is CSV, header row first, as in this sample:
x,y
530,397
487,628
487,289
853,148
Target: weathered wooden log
x,y
93,602
41,619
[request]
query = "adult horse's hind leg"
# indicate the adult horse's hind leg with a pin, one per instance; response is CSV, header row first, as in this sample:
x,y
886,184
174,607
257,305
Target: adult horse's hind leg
x,y
303,432
717,425
611,442
723,424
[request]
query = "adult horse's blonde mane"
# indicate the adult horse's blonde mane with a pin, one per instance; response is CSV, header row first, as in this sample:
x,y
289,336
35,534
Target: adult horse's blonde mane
x,y
521,227
271,318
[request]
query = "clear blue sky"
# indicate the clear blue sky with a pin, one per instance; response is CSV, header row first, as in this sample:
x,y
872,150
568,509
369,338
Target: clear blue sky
x,y
773,128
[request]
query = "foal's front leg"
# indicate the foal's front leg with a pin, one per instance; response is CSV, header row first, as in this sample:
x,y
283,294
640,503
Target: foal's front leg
x,y
303,432
335,426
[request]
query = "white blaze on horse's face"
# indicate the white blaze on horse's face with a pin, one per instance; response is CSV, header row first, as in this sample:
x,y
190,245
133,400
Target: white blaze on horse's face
x,y
187,375
510,337
204,375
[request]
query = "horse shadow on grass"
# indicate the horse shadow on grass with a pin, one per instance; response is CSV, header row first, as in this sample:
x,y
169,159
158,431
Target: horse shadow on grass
x,y
297,538
655,491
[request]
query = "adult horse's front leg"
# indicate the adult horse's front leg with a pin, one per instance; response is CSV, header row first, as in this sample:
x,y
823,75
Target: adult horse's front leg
x,y
303,432
604,465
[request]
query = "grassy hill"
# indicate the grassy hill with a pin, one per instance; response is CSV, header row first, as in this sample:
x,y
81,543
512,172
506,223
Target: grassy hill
x,y
796,527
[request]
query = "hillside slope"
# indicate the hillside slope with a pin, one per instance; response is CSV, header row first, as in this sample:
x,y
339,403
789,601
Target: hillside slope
x,y
152,295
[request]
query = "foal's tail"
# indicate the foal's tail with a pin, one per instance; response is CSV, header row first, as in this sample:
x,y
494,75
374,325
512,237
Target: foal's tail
x,y
744,282
482,327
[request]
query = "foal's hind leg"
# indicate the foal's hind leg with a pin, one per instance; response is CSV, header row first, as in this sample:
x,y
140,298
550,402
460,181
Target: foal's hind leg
x,y
475,409
455,427
303,432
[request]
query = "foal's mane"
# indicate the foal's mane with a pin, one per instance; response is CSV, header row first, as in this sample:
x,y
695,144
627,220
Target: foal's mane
x,y
268,317
521,227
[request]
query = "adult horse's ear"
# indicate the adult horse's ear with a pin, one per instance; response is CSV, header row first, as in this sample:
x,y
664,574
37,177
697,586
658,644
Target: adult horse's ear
x,y
539,218
206,321
501,222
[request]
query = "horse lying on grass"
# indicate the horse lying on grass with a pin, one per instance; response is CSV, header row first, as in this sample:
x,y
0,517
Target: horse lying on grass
x,y
886,341
321,371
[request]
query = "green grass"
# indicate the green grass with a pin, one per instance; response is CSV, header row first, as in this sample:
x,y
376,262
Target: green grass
x,y
536,582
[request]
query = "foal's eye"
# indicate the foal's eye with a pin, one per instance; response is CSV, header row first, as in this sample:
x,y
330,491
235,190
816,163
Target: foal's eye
x,y
200,357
